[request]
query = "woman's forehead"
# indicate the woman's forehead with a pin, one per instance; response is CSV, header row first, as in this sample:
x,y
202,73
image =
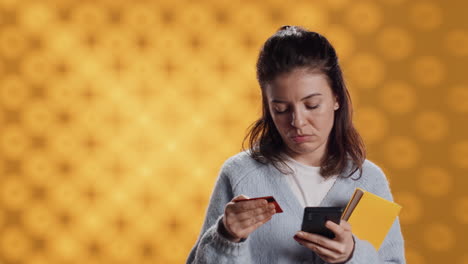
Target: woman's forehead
x,y
300,82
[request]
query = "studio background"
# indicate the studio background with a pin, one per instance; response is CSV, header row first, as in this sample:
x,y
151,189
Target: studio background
x,y
116,116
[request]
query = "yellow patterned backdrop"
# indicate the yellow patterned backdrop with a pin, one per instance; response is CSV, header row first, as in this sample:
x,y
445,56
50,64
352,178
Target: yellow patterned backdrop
x,y
115,117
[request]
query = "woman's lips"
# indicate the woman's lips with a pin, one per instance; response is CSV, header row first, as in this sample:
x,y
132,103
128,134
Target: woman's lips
x,y
300,139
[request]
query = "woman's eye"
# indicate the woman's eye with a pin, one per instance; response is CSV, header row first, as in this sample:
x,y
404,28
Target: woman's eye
x,y
312,107
280,111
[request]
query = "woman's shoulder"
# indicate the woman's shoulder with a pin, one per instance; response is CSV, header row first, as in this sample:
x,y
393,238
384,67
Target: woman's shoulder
x,y
242,162
370,174
241,165
371,168
373,179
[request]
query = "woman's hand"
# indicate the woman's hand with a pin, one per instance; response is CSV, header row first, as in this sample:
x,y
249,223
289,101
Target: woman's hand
x,y
337,250
242,218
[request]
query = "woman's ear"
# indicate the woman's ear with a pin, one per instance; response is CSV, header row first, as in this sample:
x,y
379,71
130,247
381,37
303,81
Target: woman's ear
x,y
336,105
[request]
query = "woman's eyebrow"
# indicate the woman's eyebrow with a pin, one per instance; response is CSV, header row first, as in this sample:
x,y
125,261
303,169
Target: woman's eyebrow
x,y
305,98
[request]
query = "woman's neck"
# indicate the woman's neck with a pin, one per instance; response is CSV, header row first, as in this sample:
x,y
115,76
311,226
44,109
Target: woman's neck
x,y
310,159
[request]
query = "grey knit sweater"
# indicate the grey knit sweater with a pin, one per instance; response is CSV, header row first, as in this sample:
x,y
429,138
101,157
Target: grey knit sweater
x,y
273,242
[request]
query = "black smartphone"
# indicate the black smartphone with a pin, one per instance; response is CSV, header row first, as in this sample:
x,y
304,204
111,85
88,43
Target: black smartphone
x,y
316,217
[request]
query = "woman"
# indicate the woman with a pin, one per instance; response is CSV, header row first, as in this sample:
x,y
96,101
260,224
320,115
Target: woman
x,y
304,151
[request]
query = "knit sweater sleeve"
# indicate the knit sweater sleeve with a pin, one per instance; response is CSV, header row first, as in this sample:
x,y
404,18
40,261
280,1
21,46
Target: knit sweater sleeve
x,y
392,248
211,246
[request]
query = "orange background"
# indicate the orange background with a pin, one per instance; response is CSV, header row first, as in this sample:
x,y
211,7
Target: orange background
x,y
115,117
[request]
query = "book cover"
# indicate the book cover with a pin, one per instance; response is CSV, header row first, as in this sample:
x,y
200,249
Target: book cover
x,y
370,216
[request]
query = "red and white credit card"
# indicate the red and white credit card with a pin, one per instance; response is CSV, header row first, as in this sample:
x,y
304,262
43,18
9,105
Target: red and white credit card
x,y
270,199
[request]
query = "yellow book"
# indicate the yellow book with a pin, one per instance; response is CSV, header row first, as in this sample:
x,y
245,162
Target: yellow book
x,y
370,216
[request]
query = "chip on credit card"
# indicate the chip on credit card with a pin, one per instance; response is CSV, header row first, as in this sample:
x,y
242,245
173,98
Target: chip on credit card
x,y
270,199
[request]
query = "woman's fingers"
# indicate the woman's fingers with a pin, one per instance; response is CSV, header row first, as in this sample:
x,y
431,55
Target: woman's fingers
x,y
242,217
241,229
334,250
338,230
315,239
261,222
253,220
252,226
267,209
240,197
320,250
345,224
248,205
331,254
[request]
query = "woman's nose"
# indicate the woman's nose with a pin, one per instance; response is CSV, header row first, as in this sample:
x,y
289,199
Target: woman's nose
x,y
297,119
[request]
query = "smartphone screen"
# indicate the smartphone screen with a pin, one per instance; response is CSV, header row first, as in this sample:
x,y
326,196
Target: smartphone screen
x,y
316,217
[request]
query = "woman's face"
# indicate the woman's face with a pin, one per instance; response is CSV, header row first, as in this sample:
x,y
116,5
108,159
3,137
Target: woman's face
x,y
302,105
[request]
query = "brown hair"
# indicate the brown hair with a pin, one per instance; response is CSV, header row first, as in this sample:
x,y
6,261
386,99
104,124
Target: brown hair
x,y
290,48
